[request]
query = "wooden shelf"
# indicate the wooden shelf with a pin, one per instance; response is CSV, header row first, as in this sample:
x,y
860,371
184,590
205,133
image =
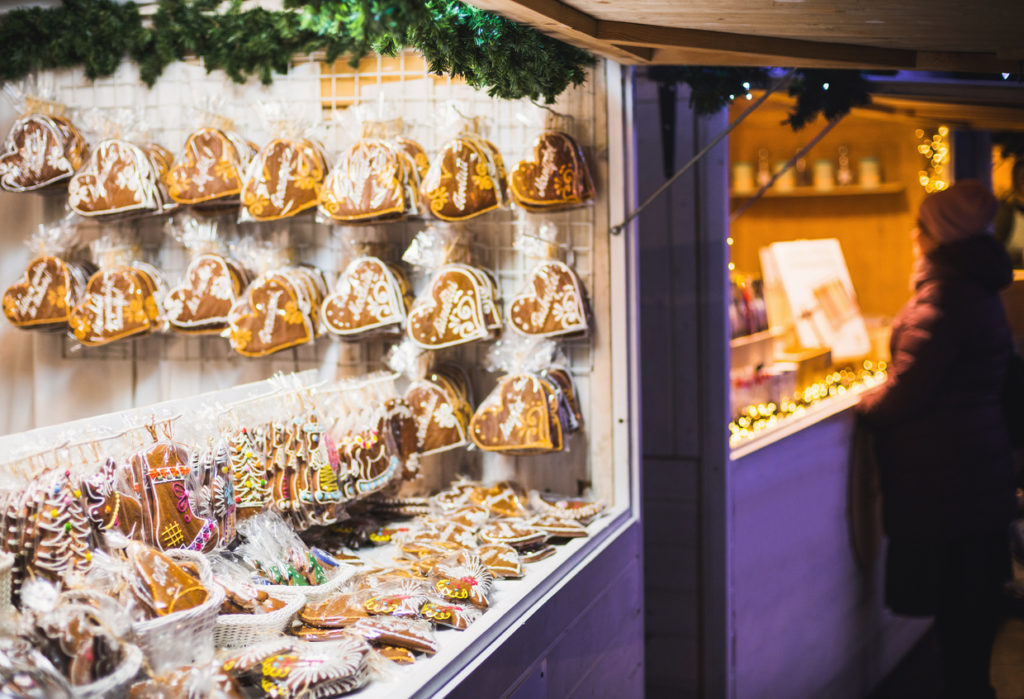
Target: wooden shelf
x,y
746,340
844,191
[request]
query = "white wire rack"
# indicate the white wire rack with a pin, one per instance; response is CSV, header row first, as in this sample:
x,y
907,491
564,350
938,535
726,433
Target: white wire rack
x,y
328,102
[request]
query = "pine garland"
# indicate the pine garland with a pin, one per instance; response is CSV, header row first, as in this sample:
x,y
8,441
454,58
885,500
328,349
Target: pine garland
x,y
507,59
712,89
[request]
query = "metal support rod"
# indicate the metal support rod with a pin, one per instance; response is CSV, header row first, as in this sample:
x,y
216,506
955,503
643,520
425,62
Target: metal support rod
x,y
615,230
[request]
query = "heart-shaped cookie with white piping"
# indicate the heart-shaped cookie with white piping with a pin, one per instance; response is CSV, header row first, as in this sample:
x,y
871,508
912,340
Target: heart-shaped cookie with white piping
x,y
367,297
284,179
269,318
365,185
40,151
119,178
450,312
438,427
551,302
459,184
556,178
118,303
44,295
209,169
202,302
515,417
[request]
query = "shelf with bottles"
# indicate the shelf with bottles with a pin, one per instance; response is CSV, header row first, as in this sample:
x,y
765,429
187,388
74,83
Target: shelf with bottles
x,y
836,191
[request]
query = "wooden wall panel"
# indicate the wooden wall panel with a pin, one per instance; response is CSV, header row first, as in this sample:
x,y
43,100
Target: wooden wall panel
x,y
683,350
873,230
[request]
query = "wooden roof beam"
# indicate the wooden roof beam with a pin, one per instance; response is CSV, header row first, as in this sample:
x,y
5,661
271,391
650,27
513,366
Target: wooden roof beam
x,y
670,37
564,22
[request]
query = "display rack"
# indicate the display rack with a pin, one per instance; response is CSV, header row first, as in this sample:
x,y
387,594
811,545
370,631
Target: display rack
x,y
382,88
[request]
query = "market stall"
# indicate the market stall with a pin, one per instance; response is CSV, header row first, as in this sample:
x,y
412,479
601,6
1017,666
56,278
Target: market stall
x,y
252,381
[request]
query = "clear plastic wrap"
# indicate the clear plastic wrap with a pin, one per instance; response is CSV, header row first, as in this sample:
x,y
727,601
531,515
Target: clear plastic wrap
x,y
122,299
212,282
207,174
285,177
43,148
125,173
281,306
371,296
552,301
460,303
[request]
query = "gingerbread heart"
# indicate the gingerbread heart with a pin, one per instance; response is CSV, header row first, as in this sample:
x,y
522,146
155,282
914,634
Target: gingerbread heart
x,y
284,179
210,168
516,417
556,178
368,297
119,178
160,585
202,302
268,318
501,560
416,152
551,303
459,184
438,427
45,294
118,303
366,184
40,151
451,312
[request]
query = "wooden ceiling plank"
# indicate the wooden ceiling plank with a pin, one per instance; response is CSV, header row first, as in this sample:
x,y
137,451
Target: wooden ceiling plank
x,y
667,37
565,23
703,57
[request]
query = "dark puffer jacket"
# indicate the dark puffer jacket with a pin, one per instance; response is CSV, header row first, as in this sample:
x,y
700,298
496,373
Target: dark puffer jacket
x,y
942,444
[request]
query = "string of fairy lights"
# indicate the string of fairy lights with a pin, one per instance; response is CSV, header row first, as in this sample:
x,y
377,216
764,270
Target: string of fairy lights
x,y
935,149
754,420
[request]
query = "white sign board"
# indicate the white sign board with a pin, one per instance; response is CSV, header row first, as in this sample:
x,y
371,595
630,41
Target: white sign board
x,y
809,285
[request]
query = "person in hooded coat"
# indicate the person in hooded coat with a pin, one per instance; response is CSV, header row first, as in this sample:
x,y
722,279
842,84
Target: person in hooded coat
x,y
941,440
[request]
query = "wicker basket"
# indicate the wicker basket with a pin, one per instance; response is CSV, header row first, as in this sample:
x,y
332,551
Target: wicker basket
x,y
314,594
6,570
240,630
116,683
185,637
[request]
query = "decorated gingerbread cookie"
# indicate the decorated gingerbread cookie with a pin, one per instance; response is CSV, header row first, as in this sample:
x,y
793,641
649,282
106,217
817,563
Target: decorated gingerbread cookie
x,y
170,521
368,297
520,415
284,179
460,183
210,168
551,303
367,184
119,178
45,294
451,311
40,151
272,315
556,178
119,302
202,302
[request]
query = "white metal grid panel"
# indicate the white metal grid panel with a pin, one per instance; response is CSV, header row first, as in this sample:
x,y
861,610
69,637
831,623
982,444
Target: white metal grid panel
x,y
321,98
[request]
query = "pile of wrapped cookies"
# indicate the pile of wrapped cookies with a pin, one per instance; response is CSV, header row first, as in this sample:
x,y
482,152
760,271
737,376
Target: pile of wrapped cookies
x,y
278,560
